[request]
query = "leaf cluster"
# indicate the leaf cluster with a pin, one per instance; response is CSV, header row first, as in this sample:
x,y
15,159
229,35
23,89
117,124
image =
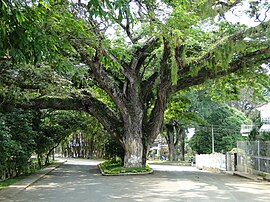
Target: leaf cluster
x,y
17,141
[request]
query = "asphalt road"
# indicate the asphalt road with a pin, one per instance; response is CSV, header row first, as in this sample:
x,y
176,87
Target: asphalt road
x,y
81,181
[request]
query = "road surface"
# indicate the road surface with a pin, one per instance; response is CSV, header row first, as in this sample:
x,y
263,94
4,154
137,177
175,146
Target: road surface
x,y
80,181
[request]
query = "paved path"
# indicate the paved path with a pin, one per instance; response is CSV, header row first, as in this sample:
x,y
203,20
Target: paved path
x,y
80,180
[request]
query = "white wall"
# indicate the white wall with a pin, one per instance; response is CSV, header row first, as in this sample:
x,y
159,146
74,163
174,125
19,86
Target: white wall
x,y
215,161
265,111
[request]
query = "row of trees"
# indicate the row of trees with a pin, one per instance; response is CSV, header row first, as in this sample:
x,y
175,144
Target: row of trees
x,y
122,61
17,142
216,121
196,109
24,133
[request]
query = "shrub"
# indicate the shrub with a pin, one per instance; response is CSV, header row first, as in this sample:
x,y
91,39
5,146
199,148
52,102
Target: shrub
x,y
115,166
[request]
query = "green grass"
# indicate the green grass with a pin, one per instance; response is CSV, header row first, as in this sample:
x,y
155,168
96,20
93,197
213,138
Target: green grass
x,y
116,167
10,181
6,183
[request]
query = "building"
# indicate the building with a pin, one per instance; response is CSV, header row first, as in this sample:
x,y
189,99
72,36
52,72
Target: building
x,y
265,117
246,129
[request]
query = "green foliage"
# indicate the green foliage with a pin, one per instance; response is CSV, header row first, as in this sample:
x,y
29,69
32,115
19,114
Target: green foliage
x,y
23,133
115,166
255,134
265,136
226,124
61,49
119,10
16,142
55,127
112,149
183,111
32,33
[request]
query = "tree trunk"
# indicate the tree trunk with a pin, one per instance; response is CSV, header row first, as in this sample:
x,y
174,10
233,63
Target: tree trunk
x,y
182,144
133,153
40,160
144,155
132,141
172,141
182,147
172,152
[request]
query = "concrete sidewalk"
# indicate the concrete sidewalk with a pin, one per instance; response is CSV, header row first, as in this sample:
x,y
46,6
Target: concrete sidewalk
x,y
249,176
14,189
246,175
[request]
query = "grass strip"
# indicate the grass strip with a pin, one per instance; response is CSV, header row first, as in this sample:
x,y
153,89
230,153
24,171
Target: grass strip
x,y
116,167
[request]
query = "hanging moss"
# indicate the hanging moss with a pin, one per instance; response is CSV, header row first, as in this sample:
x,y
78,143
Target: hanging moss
x,y
174,71
174,68
206,9
241,46
268,32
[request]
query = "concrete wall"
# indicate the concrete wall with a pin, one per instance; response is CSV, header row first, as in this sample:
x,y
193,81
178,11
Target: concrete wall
x,y
212,161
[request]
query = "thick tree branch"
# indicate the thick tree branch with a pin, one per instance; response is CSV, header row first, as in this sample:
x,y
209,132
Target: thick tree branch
x,y
140,52
98,73
259,54
148,84
53,103
250,60
258,31
157,113
88,104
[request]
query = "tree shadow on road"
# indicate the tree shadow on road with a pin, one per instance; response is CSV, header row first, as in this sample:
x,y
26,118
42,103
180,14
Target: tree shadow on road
x,y
83,182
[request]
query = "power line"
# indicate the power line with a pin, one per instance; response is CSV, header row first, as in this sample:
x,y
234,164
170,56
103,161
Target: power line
x,y
215,127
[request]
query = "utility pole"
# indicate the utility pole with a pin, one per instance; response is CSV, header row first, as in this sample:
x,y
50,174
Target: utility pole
x,y
213,140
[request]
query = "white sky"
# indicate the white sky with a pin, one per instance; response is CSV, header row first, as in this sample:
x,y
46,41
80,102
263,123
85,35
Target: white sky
x,y
238,15
191,132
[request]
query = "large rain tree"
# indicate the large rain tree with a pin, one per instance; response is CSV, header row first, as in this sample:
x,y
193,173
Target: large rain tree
x,y
121,60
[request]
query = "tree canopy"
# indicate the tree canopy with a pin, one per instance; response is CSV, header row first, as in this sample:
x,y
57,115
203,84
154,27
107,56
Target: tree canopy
x,y
223,124
121,60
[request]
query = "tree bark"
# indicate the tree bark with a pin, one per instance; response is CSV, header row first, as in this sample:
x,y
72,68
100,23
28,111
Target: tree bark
x,y
182,144
172,141
133,133
172,152
133,152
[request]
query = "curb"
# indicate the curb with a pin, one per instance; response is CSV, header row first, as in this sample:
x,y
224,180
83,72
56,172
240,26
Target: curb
x,y
248,176
245,175
170,164
46,170
19,186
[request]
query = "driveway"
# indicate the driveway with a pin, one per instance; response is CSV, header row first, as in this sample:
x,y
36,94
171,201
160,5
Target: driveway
x,y
80,181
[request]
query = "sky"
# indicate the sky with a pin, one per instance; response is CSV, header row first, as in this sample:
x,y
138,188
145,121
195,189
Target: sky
x,y
238,16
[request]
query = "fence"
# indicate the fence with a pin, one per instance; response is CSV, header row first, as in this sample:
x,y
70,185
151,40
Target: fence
x,y
253,156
